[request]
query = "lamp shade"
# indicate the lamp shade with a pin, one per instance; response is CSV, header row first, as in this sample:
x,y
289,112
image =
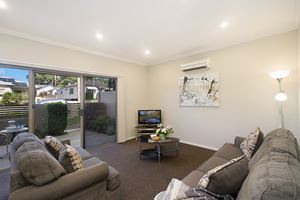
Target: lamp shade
x,y
279,74
280,96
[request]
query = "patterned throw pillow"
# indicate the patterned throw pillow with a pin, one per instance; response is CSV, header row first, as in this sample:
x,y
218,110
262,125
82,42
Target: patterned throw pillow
x,y
203,182
70,159
53,145
248,145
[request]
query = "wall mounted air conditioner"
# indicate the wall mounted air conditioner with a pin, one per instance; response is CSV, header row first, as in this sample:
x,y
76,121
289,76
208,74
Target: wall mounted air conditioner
x,y
204,63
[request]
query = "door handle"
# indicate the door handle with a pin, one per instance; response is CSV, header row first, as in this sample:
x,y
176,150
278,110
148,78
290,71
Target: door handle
x,y
82,112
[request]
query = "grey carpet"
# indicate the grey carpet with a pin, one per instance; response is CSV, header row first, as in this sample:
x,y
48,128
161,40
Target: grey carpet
x,y
140,179
4,185
143,179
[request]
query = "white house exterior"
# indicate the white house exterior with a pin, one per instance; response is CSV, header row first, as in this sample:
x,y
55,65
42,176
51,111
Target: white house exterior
x,y
68,93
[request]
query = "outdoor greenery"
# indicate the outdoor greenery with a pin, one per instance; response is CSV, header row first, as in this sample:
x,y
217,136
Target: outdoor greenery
x,y
10,98
107,83
54,80
102,124
89,95
54,120
74,121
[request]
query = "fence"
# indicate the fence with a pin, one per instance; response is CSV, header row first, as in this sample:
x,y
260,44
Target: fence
x,y
73,116
18,113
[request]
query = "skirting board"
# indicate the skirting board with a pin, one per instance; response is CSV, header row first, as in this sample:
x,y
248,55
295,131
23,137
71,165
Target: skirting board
x,y
199,145
130,138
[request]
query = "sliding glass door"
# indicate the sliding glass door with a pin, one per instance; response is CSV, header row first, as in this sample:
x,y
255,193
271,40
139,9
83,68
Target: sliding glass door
x,y
67,105
99,110
14,90
57,106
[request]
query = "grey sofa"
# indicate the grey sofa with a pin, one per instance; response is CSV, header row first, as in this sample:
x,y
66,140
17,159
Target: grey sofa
x,y
97,180
274,170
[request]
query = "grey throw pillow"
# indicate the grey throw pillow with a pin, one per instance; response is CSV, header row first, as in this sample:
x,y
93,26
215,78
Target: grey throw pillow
x,y
230,179
24,137
36,164
205,180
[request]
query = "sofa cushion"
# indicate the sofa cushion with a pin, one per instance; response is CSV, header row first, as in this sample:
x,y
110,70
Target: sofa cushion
x,y
36,164
53,145
229,151
22,138
259,141
205,180
230,179
249,144
91,162
211,163
279,140
113,179
276,176
193,178
83,153
70,159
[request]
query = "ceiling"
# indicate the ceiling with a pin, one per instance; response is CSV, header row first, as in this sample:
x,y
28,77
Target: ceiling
x,y
170,29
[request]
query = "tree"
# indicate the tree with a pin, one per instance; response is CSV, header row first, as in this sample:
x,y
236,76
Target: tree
x,y
10,98
43,79
54,80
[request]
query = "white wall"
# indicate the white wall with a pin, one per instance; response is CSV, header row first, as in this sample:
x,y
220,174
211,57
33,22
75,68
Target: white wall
x,y
28,51
246,91
299,80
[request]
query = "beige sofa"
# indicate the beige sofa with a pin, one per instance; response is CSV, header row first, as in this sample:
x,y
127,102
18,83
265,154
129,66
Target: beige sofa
x,y
97,180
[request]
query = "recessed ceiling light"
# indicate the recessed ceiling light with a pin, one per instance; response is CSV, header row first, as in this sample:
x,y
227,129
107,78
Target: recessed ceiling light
x,y
147,52
224,24
3,5
99,36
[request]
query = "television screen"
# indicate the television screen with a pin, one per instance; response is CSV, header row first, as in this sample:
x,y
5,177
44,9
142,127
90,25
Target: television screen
x,y
149,116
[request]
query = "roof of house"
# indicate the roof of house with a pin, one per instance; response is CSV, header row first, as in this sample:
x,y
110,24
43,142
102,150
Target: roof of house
x,y
8,81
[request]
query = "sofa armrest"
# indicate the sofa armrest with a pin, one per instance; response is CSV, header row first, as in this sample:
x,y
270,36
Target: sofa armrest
x,y
66,141
238,140
65,185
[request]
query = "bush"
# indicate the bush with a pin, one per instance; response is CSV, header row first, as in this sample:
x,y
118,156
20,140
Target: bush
x,y
10,98
51,119
57,118
102,124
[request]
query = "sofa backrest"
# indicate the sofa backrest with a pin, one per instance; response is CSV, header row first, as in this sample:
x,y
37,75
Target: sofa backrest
x,y
274,169
279,140
31,162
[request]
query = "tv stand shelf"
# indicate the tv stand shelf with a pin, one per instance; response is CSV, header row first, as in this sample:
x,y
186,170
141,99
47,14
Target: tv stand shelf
x,y
145,130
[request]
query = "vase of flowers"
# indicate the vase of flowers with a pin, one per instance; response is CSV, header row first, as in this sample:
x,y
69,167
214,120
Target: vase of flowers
x,y
163,132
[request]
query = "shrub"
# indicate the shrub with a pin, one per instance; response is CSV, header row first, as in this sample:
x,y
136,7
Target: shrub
x,y
10,98
57,118
51,119
102,124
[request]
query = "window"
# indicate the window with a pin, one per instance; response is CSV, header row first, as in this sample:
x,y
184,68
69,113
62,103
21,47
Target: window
x,y
71,91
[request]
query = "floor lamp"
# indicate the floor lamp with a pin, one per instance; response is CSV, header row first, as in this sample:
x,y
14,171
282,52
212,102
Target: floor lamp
x,y
280,96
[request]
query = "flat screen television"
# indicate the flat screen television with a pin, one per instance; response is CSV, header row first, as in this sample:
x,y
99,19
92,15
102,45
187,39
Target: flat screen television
x,y
149,116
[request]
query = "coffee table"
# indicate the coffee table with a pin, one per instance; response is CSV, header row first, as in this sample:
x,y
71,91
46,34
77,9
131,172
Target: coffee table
x,y
169,145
